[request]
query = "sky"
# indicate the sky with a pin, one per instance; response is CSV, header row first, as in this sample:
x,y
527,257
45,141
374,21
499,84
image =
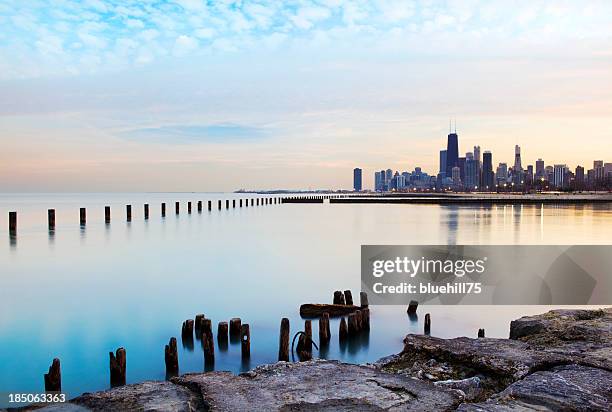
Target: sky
x,y
192,95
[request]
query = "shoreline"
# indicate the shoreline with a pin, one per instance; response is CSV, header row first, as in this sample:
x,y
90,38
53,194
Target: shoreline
x,y
561,359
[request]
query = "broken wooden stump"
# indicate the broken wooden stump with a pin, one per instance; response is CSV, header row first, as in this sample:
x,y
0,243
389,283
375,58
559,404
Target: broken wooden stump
x,y
348,297
177,207
128,213
189,207
83,216
245,341
412,307
53,379
12,222
353,324
324,332
207,326
222,335
365,318
187,328
219,205
227,203
107,214
339,298
235,327
481,333
146,211
234,203
199,206
315,310
427,326
51,218
163,210
343,331
117,368
171,358
363,299
283,344
198,324
208,345
209,205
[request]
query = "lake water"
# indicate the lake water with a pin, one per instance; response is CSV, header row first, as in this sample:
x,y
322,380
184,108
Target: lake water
x,y
79,293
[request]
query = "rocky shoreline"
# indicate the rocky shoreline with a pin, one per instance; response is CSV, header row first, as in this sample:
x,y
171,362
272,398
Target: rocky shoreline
x,y
560,360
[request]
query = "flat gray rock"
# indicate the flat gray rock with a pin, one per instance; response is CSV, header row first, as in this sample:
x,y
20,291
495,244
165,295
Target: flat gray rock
x,y
317,385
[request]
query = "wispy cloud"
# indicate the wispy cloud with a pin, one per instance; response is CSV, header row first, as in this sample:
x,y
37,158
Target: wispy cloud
x,y
187,134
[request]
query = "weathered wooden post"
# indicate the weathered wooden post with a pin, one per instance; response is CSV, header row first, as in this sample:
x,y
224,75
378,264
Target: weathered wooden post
x,y
257,201
324,332
128,212
245,340
246,202
146,211
353,324
412,307
177,207
234,328
12,222
83,216
51,218
363,298
163,210
222,331
117,368
227,203
308,333
233,203
348,296
207,326
187,328
199,206
189,207
427,327
240,203
209,205
339,298
481,333
304,347
53,379
107,214
199,319
343,331
219,204
365,319
208,345
171,358
283,344
252,202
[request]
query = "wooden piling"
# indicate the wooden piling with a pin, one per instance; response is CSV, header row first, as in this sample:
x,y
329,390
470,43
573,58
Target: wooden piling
x,y
324,332
171,358
219,205
107,214
53,379
283,344
146,211
365,319
117,367
427,326
348,297
163,210
240,203
363,299
308,333
208,345
412,307
252,202
233,203
481,333
83,216
227,203
199,318
128,212
343,331
222,331
189,207
339,298
353,324
245,340
207,326
199,206
257,201
187,329
234,327
209,205
12,222
51,218
177,207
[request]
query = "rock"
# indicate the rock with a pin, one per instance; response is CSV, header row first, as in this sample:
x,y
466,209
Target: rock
x,y
317,385
146,396
563,388
470,388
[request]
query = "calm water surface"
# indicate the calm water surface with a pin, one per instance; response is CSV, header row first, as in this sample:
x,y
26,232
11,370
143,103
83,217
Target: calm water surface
x,y
78,293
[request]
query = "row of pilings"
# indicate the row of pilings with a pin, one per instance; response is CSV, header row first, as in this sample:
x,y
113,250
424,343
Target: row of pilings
x,y
199,205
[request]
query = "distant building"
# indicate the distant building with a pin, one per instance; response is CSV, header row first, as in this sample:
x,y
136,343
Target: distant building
x,y
488,177
452,153
559,176
471,172
456,176
357,179
529,175
502,173
539,170
478,165
378,182
579,177
443,162
517,170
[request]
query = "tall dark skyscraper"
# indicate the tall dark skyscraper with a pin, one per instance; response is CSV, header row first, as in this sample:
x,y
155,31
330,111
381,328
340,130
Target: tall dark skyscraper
x,y
452,153
442,163
357,179
487,171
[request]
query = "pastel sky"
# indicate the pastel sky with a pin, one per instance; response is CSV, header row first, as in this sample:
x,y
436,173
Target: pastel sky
x,y
190,95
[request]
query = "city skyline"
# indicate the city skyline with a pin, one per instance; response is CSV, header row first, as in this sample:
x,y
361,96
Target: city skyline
x,y
189,95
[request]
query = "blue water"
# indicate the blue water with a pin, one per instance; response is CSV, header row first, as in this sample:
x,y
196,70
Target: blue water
x,y
79,293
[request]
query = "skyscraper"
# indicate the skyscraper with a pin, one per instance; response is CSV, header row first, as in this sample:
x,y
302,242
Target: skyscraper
x,y
559,179
539,172
378,182
452,153
517,170
579,178
357,179
471,172
443,162
487,171
478,165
